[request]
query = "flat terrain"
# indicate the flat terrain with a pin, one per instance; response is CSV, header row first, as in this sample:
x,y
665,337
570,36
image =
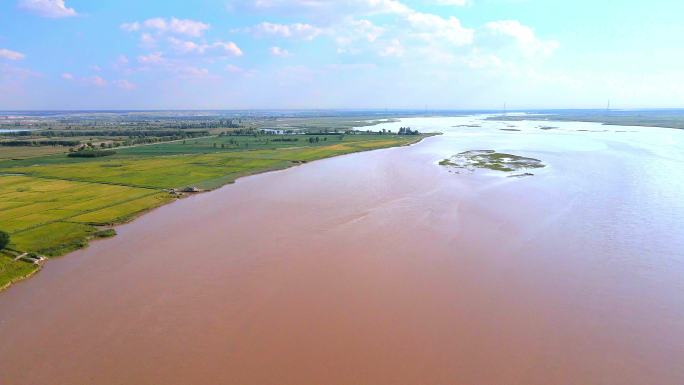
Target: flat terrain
x,y
644,118
54,204
384,268
28,152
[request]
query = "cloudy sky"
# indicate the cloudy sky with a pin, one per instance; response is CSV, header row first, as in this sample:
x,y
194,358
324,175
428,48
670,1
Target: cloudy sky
x,y
447,54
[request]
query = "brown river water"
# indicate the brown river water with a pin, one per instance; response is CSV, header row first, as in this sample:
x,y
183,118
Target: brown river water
x,y
383,268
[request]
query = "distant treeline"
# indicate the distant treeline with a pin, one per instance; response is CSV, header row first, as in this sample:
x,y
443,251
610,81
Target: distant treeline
x,y
23,143
285,140
215,124
315,139
91,153
16,133
152,139
242,132
408,131
129,133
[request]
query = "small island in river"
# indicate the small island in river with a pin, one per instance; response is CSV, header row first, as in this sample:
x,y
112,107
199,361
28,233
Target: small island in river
x,y
491,160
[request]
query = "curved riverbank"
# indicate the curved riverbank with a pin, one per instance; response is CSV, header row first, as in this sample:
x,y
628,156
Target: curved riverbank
x,y
93,219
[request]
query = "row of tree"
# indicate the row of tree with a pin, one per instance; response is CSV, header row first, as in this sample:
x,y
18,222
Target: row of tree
x,y
128,133
25,143
408,131
4,239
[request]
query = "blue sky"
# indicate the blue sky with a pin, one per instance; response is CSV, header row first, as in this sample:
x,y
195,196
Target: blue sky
x,y
234,54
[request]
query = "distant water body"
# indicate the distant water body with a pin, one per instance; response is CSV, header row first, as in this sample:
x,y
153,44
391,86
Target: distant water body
x,y
3,130
384,268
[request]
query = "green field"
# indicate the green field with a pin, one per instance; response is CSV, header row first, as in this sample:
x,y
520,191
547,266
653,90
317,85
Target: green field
x,y
7,153
54,204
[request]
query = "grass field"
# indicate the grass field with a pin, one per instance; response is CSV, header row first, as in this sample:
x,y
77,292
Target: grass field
x,y
7,153
53,204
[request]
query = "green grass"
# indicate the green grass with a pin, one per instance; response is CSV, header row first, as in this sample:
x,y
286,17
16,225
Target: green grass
x,y
27,202
52,205
7,152
11,270
122,212
53,239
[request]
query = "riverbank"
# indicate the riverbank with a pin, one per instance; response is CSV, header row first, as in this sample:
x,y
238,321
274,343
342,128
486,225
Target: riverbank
x,y
55,205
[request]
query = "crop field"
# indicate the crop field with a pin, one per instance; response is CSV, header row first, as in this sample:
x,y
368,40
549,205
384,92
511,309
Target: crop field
x,y
54,204
217,144
42,215
166,166
7,153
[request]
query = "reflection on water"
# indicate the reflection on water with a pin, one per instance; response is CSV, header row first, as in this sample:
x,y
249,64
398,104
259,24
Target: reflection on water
x,y
384,268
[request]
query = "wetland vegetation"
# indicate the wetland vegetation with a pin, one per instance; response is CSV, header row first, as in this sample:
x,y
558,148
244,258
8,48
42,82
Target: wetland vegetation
x,y
491,160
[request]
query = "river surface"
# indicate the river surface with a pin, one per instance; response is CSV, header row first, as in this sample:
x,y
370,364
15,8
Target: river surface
x,y
4,131
384,268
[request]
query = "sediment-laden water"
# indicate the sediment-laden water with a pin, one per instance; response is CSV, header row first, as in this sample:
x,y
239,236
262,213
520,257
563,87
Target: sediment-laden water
x,y
384,268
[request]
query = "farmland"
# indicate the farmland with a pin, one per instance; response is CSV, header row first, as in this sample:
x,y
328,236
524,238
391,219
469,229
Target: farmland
x,y
52,204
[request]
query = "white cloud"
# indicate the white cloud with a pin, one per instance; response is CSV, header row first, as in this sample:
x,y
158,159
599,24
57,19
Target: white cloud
x,y
228,48
96,81
183,46
190,72
124,84
477,60
130,27
176,26
394,48
48,8
355,36
459,3
522,35
240,71
122,60
384,6
220,48
11,55
367,29
234,69
280,52
320,9
152,58
147,40
296,30
432,28
354,29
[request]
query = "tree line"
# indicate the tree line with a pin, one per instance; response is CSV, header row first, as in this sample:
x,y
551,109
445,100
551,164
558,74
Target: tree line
x,y
24,143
